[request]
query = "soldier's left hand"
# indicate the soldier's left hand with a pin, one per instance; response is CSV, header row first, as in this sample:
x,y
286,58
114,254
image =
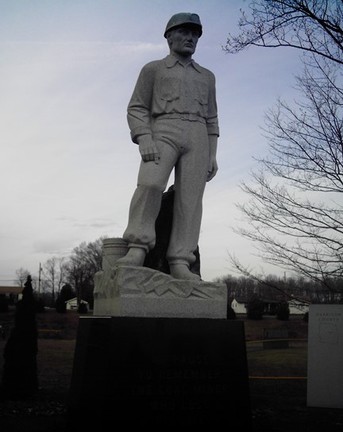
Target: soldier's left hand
x,y
212,169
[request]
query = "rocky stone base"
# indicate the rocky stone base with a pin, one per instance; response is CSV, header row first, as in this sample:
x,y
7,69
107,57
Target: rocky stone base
x,y
144,292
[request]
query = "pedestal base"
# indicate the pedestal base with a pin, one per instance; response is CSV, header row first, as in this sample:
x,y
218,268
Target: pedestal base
x,y
143,292
160,373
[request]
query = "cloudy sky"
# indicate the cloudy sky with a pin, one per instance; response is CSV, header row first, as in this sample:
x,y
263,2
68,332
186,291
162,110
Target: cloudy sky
x,y
68,167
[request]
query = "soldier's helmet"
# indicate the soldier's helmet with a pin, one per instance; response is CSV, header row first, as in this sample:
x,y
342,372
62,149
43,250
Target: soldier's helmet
x,y
184,19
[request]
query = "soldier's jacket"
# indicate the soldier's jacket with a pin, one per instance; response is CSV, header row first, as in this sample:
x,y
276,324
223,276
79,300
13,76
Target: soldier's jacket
x,y
168,88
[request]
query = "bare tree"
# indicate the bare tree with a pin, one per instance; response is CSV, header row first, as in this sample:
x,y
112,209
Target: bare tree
x,y
22,275
77,270
84,262
314,26
62,270
295,214
51,275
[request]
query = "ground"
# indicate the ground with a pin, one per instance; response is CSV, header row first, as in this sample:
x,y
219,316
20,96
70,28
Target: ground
x,y
277,379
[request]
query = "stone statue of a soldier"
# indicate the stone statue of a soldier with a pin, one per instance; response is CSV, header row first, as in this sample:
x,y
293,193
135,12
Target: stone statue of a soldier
x,y
172,116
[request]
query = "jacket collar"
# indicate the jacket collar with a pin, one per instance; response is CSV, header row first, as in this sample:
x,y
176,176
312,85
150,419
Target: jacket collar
x,y
171,61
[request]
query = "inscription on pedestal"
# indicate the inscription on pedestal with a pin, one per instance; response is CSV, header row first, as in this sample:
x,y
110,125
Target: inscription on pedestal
x,y
325,356
161,371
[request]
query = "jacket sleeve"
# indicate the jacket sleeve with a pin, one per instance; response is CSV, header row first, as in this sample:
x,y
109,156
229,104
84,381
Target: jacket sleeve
x,y
139,108
212,118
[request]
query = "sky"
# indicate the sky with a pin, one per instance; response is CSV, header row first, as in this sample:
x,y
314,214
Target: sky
x,y
68,166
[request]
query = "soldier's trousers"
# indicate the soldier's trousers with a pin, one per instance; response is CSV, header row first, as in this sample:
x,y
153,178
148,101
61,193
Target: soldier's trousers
x,y
183,145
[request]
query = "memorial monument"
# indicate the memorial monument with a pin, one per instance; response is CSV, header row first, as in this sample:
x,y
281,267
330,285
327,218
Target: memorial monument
x,y
158,351
172,116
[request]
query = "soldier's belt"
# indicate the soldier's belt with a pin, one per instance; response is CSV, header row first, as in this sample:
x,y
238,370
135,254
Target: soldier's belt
x,y
186,117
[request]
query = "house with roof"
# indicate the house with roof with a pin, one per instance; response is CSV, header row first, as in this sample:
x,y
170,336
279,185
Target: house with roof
x,y
239,305
73,305
12,293
296,307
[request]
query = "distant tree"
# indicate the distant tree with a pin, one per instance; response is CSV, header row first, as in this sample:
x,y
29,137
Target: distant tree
x,y
255,308
76,271
3,303
51,275
54,276
282,311
241,286
312,26
294,213
20,377
65,294
83,308
22,275
84,262
61,262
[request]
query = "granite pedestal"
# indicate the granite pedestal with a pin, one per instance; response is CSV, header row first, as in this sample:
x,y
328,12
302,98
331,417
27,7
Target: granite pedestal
x,y
161,373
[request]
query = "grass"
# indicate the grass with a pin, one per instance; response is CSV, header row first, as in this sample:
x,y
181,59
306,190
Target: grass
x,y
55,363
291,362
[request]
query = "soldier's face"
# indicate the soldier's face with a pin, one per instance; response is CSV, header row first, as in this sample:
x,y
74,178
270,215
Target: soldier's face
x,y
183,40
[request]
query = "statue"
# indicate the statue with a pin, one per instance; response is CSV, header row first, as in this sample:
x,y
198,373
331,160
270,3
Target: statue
x,y
154,269
172,116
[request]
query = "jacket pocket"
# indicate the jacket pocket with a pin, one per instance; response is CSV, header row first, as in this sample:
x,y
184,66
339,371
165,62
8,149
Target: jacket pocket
x,y
168,88
201,97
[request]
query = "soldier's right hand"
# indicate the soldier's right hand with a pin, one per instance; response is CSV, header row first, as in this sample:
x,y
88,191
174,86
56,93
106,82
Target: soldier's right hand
x,y
148,149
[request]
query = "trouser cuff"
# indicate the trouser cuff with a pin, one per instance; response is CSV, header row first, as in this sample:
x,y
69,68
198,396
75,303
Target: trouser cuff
x,y
179,262
137,245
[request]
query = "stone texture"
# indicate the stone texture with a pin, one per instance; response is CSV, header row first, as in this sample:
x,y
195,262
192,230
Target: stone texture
x,y
325,356
144,292
156,258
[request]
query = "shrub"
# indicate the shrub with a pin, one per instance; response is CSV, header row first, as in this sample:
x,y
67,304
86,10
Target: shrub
x,y
60,305
3,303
83,309
282,312
40,305
255,308
230,313
65,294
